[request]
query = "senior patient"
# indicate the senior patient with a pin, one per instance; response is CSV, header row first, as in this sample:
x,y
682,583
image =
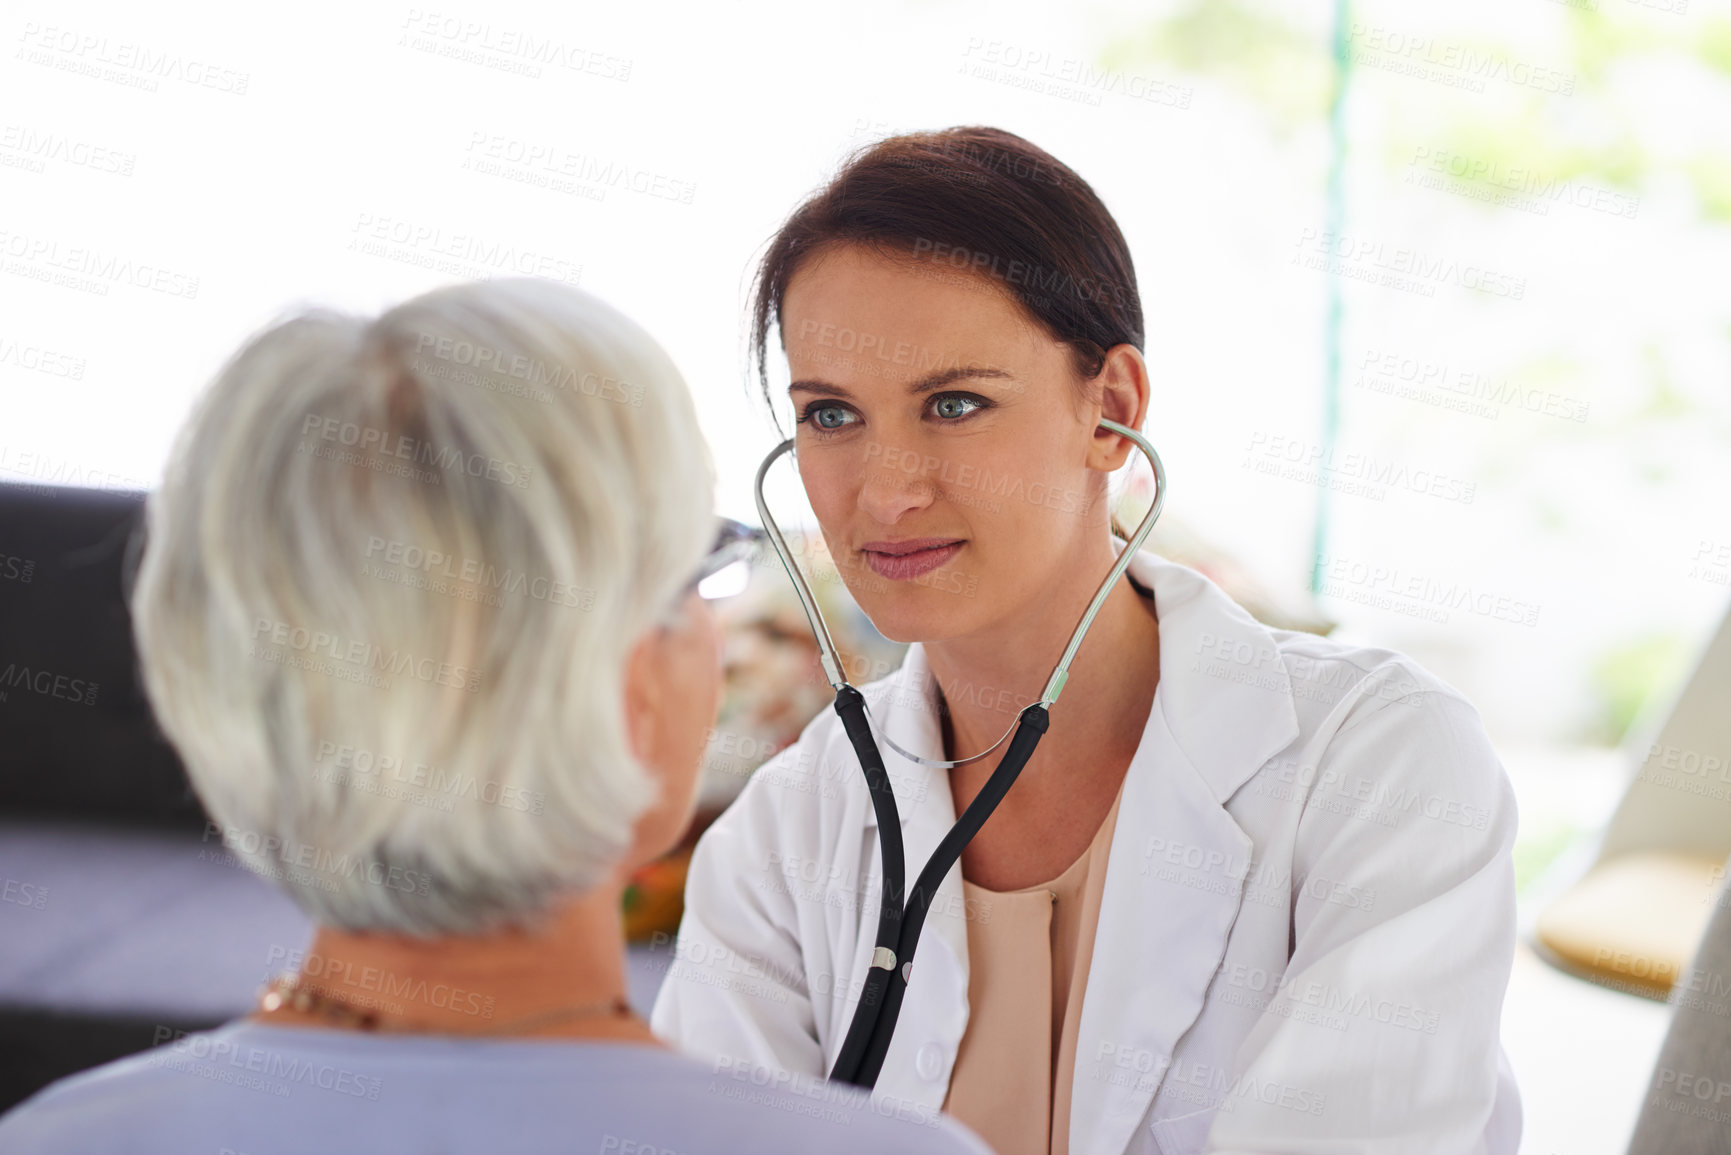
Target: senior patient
x,y
418,608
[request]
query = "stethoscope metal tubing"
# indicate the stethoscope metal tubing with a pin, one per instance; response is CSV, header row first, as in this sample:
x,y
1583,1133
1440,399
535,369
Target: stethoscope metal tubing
x,y
826,651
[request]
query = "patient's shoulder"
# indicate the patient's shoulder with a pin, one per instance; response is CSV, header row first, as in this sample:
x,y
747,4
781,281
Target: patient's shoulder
x,y
260,1089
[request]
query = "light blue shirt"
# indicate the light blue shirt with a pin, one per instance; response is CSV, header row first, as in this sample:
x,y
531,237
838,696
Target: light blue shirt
x,y
250,1089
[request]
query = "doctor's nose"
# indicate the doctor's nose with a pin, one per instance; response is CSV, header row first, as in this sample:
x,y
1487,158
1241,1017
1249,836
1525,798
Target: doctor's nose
x,y
887,493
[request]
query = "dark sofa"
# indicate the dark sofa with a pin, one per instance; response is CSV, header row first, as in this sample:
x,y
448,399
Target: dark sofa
x,y
123,920
90,793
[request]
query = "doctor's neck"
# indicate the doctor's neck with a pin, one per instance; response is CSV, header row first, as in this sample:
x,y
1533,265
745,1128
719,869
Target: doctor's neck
x,y
987,677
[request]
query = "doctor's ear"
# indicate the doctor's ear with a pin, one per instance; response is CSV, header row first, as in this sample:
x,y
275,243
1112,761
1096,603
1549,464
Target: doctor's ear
x,y
1123,392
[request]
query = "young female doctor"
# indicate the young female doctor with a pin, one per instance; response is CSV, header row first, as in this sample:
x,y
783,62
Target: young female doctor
x,y
1252,893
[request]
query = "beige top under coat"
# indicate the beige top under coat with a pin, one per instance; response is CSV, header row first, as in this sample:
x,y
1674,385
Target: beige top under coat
x,y
1028,957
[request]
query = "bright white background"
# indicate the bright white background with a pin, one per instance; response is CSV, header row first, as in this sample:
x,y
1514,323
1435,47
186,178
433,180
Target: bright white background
x,y
259,196
355,113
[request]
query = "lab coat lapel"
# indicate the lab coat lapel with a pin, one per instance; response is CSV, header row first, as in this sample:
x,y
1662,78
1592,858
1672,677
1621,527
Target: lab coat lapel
x,y
1174,877
1160,939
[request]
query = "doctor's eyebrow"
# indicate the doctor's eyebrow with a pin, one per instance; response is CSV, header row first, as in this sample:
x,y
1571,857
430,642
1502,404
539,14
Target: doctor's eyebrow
x,y
924,385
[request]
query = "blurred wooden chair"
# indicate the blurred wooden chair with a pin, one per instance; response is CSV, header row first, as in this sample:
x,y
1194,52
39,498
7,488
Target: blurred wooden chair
x,y
1637,915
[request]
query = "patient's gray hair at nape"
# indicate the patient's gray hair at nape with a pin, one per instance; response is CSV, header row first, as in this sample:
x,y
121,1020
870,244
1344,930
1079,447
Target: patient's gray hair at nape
x,y
389,587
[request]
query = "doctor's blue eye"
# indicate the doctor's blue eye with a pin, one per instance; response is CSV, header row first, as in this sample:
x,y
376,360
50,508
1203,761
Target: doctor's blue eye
x,y
947,405
825,417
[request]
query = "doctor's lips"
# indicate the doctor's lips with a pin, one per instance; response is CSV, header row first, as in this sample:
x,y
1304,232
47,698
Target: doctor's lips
x,y
905,560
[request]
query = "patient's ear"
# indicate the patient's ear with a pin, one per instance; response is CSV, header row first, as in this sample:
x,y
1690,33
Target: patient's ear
x,y
645,733
644,697
671,694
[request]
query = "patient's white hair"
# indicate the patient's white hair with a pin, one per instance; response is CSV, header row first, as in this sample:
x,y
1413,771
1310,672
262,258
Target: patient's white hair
x,y
389,587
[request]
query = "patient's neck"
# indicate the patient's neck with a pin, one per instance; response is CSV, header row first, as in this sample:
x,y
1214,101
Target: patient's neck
x,y
476,984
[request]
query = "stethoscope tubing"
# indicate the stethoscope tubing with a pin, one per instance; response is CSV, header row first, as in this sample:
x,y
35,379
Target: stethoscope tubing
x,y
900,923
868,1037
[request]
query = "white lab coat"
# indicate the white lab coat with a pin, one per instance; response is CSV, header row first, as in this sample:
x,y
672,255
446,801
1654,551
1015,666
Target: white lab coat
x,y
1305,935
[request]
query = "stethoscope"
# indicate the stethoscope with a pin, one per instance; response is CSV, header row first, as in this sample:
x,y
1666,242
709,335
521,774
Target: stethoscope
x,y
874,1020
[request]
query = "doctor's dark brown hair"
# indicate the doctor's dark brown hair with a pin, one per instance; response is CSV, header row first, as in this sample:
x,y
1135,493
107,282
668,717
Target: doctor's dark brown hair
x,y
979,201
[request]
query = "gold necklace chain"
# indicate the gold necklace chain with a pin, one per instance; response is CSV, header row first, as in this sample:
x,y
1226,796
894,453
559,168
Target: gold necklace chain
x,y
287,990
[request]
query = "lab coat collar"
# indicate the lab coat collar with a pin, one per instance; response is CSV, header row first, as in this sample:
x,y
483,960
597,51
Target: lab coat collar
x,y
1228,696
